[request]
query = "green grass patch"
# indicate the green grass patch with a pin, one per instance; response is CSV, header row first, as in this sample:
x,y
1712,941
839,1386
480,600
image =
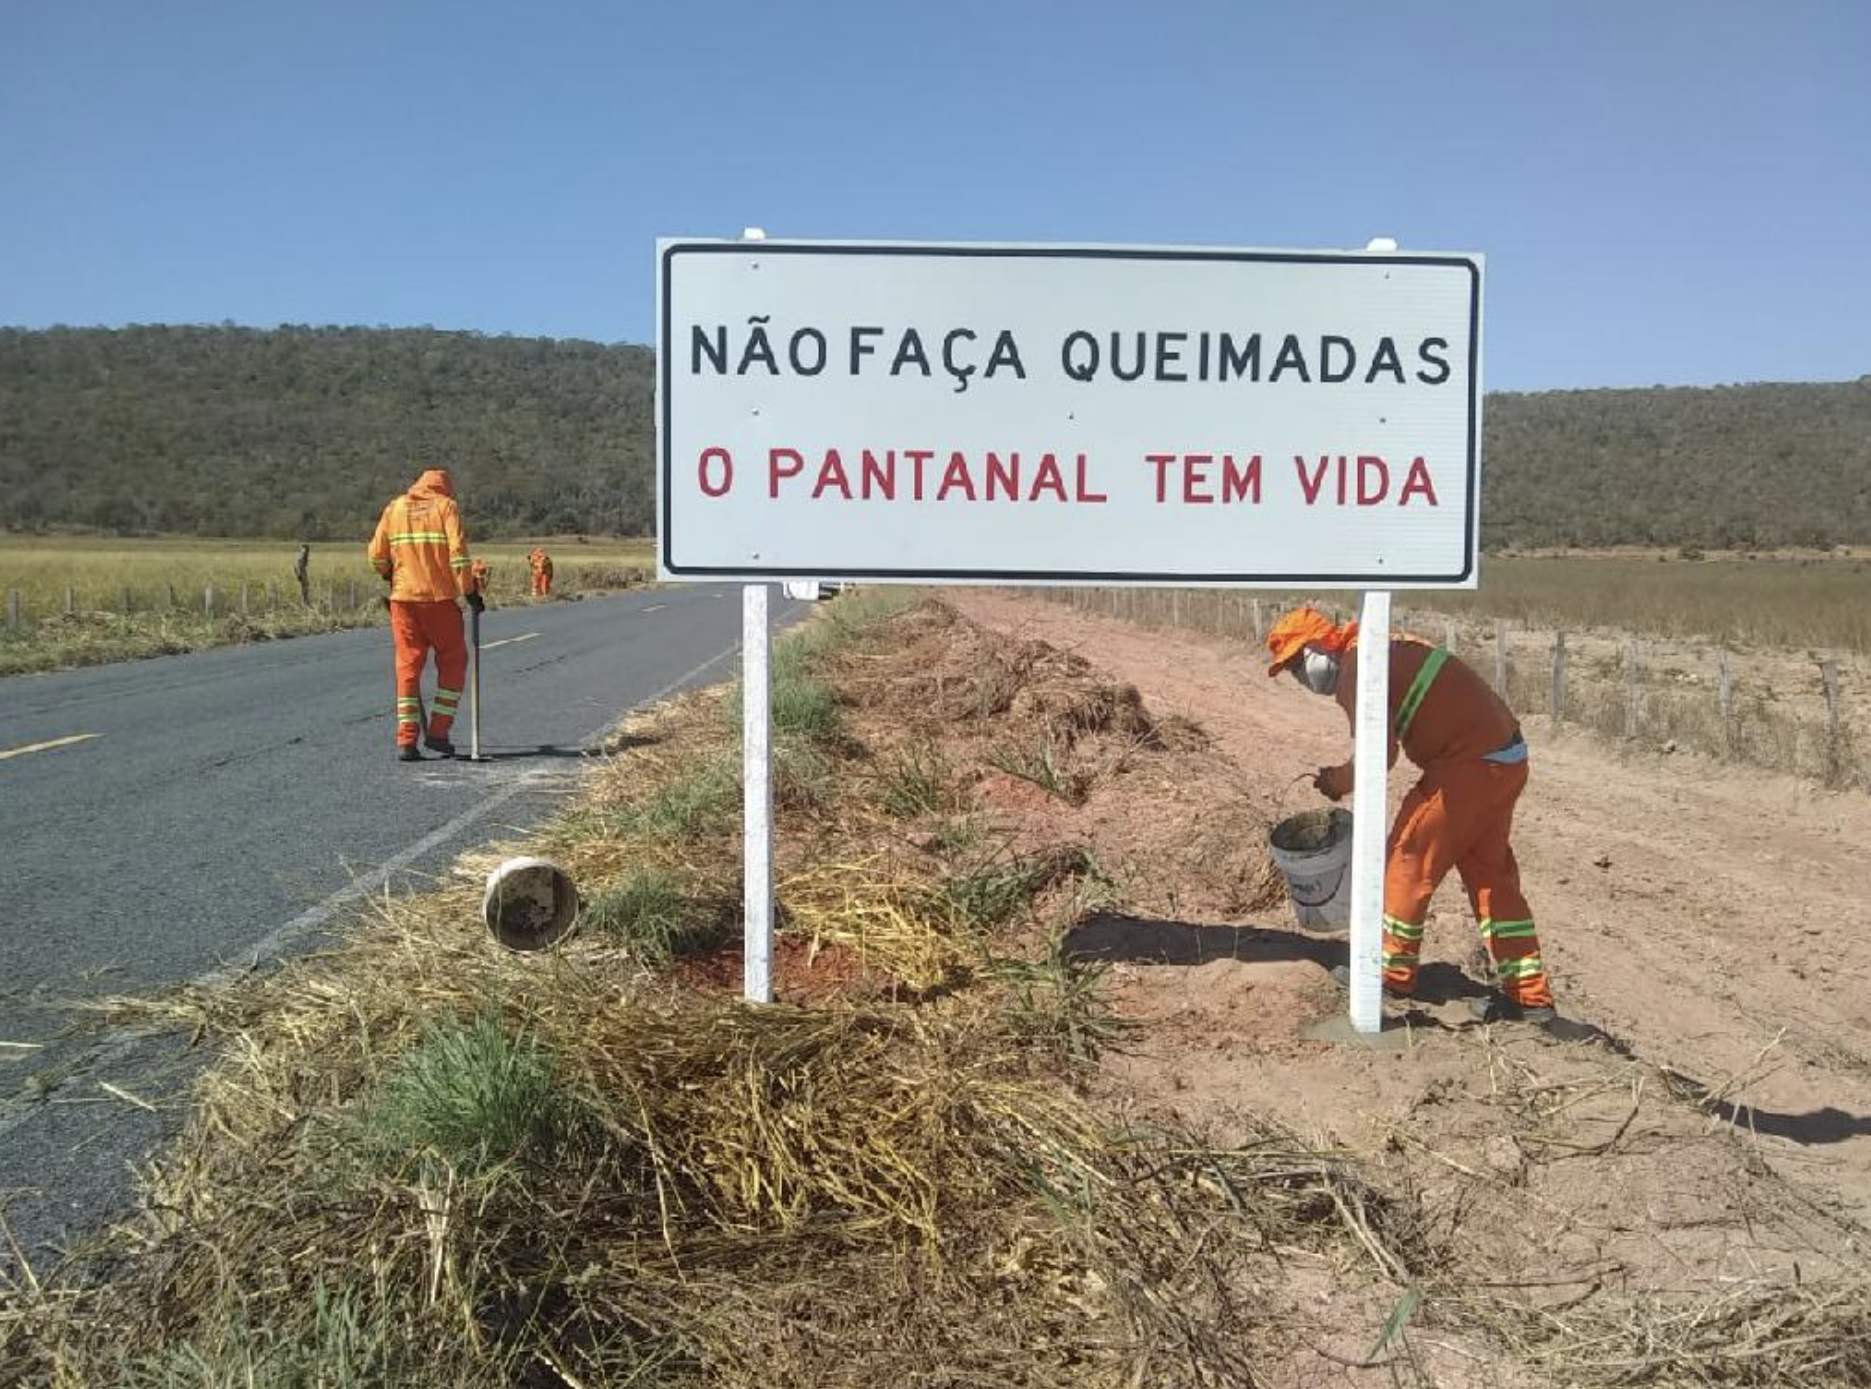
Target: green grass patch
x,y
702,802
342,1345
1060,1003
1044,769
917,781
805,710
995,894
469,1093
654,917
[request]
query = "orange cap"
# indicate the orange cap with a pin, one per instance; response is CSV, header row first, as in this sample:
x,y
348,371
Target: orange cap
x,y
1304,627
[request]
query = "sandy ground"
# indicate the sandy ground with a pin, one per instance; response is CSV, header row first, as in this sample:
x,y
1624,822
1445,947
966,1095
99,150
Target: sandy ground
x,y
1702,923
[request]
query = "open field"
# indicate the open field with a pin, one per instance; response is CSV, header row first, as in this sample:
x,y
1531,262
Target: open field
x,y
87,600
1038,1104
1724,656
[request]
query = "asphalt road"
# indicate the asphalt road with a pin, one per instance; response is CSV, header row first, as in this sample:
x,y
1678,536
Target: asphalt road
x,y
226,807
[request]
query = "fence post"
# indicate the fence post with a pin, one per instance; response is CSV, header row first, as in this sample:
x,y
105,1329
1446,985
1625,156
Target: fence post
x,y
207,600
329,600
1632,681
1725,687
126,600
71,601
272,595
243,597
1835,752
12,610
168,597
1559,677
353,596
1175,607
1260,632
1500,656
1448,635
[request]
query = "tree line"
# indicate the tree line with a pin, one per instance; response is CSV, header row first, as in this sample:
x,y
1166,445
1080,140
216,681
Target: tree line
x,y
304,431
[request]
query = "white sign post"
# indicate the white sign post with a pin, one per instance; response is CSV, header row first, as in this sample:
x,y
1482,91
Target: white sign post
x,y
756,798
1074,415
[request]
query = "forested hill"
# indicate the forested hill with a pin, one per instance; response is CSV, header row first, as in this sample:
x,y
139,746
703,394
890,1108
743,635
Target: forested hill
x,y
306,431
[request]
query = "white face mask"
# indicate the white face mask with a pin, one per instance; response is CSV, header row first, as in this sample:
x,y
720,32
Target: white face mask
x,y
1318,672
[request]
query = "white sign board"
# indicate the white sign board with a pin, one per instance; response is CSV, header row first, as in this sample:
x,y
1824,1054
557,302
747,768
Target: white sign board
x,y
1054,414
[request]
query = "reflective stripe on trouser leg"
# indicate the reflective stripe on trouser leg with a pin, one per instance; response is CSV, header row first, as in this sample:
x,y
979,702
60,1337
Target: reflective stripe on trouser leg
x,y
442,717
1514,946
1403,942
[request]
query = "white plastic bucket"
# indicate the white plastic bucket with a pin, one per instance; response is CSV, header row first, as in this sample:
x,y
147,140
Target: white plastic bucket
x,y
1313,853
530,903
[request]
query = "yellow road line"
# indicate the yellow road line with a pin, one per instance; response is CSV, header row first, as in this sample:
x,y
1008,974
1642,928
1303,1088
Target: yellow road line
x,y
508,641
47,747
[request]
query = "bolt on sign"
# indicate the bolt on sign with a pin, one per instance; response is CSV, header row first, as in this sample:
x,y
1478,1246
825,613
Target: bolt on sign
x,y
1026,414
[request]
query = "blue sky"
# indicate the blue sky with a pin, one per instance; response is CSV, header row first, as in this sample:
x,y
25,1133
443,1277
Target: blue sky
x,y
1672,191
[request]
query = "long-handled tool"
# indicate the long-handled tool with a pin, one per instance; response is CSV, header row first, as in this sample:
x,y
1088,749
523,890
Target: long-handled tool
x,y
474,686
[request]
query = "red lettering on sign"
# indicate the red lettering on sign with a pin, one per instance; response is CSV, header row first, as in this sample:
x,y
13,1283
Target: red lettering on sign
x,y
725,461
1373,479
776,458
832,474
1194,477
1049,478
1003,479
917,458
1417,481
882,475
956,478
1242,484
1311,485
1162,462
1084,492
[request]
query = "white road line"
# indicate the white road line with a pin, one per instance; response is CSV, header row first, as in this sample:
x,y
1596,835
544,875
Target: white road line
x,y
48,746
274,943
508,641
655,608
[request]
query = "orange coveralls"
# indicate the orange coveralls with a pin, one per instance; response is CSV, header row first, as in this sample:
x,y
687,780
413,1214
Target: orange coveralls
x,y
542,572
421,547
1459,815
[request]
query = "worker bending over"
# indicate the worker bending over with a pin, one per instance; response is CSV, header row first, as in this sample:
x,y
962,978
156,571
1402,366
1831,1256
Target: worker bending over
x,y
542,572
421,548
1458,815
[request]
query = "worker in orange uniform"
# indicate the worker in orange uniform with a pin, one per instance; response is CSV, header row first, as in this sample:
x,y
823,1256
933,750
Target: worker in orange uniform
x,y
421,548
1459,815
542,572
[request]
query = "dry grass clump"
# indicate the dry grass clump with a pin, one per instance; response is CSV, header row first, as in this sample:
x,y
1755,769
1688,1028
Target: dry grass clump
x,y
1759,1336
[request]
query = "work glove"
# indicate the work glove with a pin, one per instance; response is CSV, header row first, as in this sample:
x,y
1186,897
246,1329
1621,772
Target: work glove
x,y
476,603
1334,783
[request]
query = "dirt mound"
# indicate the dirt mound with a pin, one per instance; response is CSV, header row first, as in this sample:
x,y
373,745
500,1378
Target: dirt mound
x,y
1043,748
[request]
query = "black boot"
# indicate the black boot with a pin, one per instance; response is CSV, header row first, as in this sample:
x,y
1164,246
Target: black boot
x,y
406,752
441,747
1500,1008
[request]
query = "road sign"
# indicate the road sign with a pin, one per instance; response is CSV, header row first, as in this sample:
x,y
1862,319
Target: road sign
x,y
1058,414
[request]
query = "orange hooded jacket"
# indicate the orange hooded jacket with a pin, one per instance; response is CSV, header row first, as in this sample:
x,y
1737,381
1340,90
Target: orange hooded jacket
x,y
420,544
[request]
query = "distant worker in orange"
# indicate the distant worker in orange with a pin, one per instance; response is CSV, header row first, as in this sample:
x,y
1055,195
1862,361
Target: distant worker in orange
x,y
542,572
1459,815
421,548
481,577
